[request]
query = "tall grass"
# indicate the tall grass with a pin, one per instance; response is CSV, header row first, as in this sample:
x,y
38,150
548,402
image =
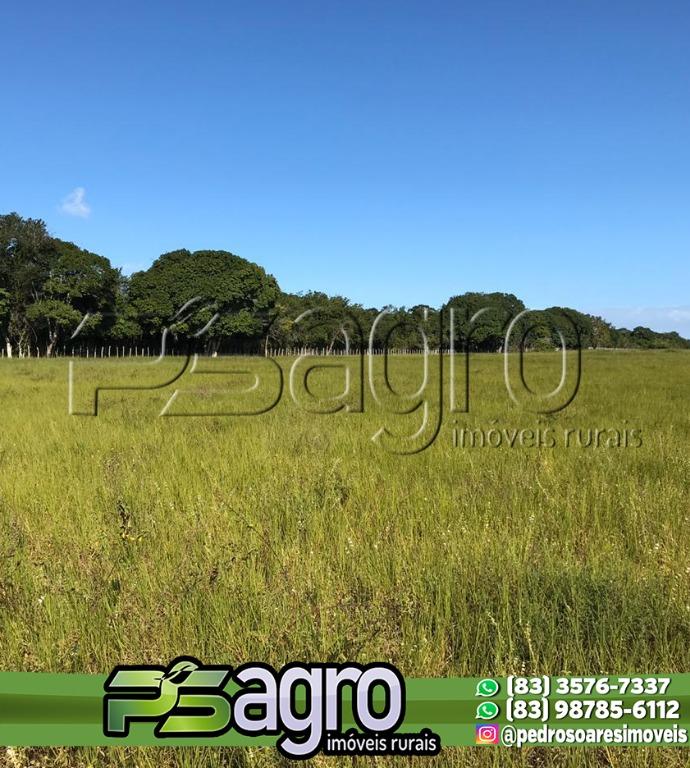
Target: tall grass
x,y
129,538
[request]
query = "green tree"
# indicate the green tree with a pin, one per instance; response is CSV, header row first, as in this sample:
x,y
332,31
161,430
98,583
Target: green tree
x,y
321,327
125,327
575,327
48,286
239,292
26,250
603,333
481,319
4,311
79,283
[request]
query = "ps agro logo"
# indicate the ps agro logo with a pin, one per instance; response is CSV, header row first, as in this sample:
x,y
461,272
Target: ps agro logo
x,y
302,705
362,363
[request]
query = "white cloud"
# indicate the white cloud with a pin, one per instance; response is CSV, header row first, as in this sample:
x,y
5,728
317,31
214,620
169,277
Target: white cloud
x,y
75,204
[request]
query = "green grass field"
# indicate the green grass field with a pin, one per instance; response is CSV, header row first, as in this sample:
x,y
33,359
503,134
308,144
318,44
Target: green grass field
x,y
129,538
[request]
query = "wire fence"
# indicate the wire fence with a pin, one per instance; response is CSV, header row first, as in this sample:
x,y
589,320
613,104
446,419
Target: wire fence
x,y
125,352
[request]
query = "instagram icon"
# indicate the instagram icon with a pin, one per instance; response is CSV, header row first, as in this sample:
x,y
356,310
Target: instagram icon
x,y
487,734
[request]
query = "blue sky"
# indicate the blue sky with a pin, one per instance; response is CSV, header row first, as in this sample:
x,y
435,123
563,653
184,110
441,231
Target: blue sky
x,y
393,152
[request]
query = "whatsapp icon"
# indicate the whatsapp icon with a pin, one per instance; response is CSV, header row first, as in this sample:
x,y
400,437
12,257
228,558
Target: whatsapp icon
x,y
487,710
487,687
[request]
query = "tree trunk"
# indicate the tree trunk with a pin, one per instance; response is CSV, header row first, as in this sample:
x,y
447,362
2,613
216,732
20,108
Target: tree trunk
x,y
8,348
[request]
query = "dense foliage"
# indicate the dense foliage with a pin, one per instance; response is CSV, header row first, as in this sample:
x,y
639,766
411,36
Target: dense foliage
x,y
50,290
223,293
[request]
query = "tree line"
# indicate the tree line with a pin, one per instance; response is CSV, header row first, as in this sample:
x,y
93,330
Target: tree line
x,y
55,295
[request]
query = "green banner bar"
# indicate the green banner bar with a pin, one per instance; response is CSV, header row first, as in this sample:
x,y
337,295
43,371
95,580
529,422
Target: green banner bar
x,y
41,709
